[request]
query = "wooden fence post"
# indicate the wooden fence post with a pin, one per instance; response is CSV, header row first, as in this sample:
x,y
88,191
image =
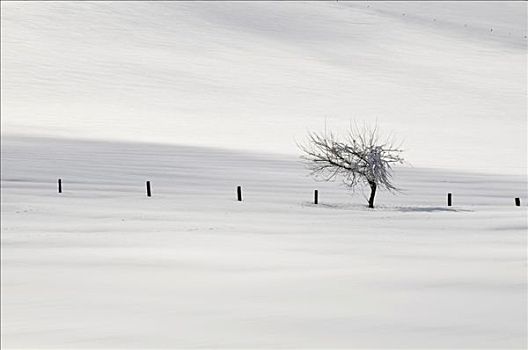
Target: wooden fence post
x,y
60,185
148,189
316,197
239,193
449,199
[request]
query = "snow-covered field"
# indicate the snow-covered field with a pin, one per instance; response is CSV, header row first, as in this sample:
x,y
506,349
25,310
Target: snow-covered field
x,y
103,266
200,97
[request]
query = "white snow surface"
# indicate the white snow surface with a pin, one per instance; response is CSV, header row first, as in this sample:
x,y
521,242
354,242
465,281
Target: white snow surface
x,y
449,78
200,97
103,266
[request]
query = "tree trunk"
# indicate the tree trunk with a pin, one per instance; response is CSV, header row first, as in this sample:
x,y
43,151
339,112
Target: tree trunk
x,y
372,194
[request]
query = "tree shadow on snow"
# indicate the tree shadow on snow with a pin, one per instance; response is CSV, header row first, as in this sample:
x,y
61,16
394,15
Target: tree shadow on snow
x,y
429,209
354,206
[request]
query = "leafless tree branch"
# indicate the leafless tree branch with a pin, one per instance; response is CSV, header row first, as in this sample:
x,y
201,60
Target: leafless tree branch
x,y
364,157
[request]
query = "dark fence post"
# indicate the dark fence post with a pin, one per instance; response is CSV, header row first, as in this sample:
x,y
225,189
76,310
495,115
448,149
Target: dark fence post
x,y
239,193
517,202
449,199
60,185
148,188
316,197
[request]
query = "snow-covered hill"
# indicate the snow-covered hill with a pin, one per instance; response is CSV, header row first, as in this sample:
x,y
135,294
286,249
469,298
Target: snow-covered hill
x,y
200,97
447,77
103,266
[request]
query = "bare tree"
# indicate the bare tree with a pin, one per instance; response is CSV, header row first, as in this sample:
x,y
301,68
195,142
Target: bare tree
x,y
363,158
